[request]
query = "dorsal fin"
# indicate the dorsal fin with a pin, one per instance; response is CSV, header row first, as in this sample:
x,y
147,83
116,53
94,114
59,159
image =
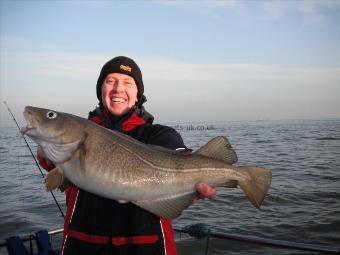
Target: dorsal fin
x,y
218,148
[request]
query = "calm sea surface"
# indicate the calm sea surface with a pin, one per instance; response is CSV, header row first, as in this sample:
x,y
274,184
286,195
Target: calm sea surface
x,y
303,204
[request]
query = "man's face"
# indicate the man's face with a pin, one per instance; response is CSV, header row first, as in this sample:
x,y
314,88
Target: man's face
x,y
119,93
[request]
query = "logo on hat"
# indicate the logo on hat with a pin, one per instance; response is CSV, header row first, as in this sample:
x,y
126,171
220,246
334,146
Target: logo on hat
x,y
125,68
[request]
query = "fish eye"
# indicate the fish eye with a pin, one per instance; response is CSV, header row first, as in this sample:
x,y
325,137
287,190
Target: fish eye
x,y
51,115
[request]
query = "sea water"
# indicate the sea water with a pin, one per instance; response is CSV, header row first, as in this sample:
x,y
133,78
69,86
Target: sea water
x,y
303,203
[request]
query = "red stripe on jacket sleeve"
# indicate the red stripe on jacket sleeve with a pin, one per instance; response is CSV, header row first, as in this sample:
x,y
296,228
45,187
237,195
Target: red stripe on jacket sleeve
x,y
71,193
168,235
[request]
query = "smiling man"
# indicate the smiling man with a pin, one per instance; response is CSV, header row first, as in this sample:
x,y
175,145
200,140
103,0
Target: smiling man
x,y
97,225
119,92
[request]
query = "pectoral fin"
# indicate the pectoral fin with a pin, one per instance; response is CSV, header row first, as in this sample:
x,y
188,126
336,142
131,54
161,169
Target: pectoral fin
x,y
54,179
168,208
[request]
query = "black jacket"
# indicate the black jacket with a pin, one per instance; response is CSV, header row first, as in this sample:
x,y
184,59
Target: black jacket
x,y
97,225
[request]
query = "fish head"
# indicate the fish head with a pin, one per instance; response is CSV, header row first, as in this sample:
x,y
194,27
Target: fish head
x,y
54,131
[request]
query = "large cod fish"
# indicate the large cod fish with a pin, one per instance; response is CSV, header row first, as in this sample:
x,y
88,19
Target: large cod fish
x,y
116,166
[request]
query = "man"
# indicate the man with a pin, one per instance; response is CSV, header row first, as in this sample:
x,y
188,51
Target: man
x,y
97,225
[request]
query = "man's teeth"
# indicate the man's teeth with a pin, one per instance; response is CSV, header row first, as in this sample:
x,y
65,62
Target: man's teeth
x,y
118,99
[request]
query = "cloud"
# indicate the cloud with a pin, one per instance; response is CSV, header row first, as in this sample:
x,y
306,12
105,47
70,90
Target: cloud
x,y
87,3
212,4
55,80
210,8
172,70
316,12
312,13
87,66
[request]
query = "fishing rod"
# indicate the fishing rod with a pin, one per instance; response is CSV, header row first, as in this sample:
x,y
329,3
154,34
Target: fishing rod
x,y
202,230
36,162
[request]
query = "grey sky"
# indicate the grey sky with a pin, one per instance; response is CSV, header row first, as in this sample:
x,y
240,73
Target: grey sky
x,y
201,61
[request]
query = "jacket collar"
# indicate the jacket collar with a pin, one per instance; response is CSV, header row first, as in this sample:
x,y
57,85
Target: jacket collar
x,y
125,123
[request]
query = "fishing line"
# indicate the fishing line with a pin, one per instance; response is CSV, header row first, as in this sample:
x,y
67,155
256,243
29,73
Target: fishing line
x,y
36,162
21,177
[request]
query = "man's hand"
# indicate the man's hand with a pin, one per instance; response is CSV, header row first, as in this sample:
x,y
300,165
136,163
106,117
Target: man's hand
x,y
204,191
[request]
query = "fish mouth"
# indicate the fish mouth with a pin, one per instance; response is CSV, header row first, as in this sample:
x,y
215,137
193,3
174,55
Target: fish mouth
x,y
31,122
25,130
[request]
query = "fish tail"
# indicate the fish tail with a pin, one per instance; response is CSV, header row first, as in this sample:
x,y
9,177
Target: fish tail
x,y
257,183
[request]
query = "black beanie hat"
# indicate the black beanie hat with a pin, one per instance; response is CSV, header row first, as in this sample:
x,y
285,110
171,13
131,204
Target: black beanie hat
x,y
122,65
